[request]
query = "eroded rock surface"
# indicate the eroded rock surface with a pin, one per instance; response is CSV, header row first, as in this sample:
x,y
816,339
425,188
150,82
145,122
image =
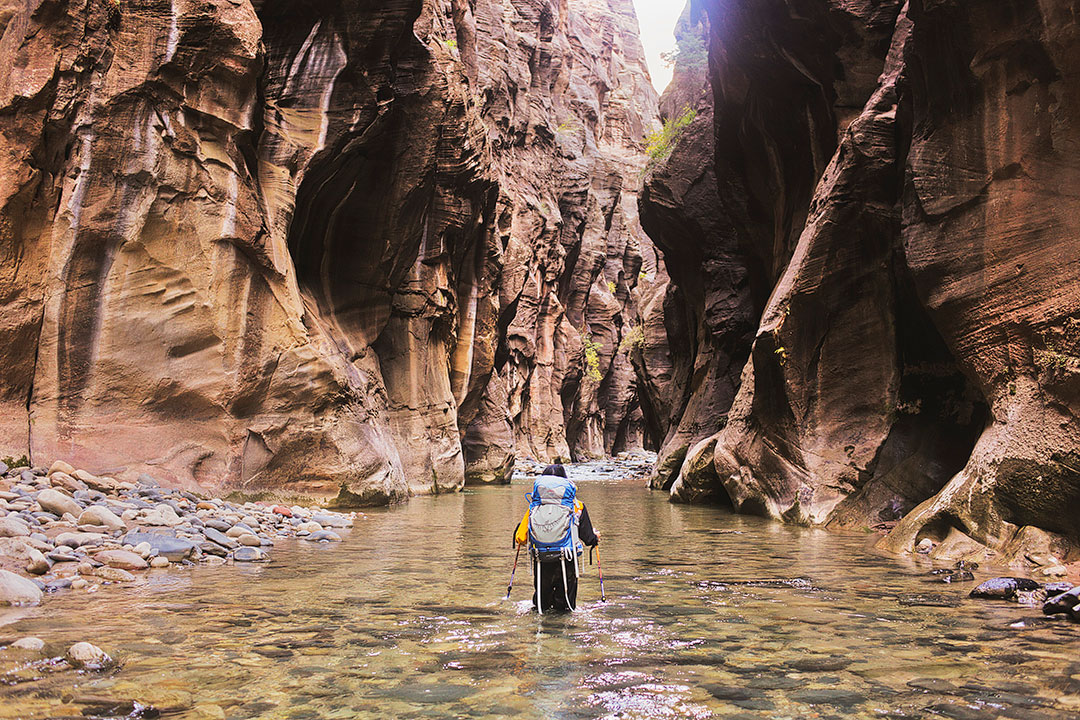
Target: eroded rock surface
x,y
917,353
335,249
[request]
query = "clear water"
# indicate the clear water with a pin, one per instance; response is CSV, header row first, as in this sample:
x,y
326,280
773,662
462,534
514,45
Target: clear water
x,y
708,614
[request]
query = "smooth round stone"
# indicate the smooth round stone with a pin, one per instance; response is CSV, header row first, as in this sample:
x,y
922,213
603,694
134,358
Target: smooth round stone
x,y
61,466
1003,588
213,549
17,590
309,527
217,524
123,559
162,515
11,526
58,584
78,539
32,644
36,563
113,574
100,515
247,554
83,654
142,550
330,521
323,536
58,503
60,556
175,549
249,540
159,562
79,583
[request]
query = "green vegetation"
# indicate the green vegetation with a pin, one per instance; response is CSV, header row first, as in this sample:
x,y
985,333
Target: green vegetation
x,y
660,143
690,52
781,355
592,358
611,287
567,127
452,44
642,276
13,462
633,340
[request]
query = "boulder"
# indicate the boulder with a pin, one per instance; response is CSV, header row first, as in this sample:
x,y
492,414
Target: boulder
x,y
173,548
101,515
123,559
1004,588
85,655
12,526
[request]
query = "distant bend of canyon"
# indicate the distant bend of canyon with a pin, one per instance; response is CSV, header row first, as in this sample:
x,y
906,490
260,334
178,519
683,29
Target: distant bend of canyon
x,y
368,250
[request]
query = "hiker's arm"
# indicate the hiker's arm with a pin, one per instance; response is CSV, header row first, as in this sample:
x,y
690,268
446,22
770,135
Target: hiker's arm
x,y
522,532
585,529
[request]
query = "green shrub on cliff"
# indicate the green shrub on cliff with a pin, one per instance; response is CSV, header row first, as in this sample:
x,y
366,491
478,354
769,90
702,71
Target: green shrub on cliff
x,y
592,358
659,144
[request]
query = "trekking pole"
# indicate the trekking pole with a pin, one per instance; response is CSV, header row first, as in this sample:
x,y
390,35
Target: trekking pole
x,y
512,572
601,571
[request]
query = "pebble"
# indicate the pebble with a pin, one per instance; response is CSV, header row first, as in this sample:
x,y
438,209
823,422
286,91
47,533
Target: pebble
x,y
85,655
159,562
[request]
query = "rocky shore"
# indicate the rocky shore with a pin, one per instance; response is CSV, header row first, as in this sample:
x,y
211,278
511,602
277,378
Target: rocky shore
x,y
66,529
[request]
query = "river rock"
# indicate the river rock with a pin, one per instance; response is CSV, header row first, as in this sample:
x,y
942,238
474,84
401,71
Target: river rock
x,y
331,521
324,536
219,537
173,548
17,590
308,527
247,554
61,466
162,515
78,539
1063,603
67,482
100,515
36,563
249,540
159,562
123,559
57,502
32,644
1003,588
85,655
113,574
12,526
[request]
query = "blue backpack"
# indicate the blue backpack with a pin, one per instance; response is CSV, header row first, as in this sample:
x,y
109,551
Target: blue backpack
x,y
552,520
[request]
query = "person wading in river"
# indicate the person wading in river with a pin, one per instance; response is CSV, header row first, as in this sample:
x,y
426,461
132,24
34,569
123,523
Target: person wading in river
x,y
556,526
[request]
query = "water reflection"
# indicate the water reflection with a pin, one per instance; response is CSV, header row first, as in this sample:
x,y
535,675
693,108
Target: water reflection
x,y
708,615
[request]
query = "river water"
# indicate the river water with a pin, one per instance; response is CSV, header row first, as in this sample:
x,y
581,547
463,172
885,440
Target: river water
x,y
708,615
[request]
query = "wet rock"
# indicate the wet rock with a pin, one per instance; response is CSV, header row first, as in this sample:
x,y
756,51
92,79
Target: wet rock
x,y
100,515
819,664
58,584
828,696
57,502
173,548
249,540
1003,588
85,655
78,539
323,536
32,644
1066,602
219,537
159,562
113,574
123,559
431,692
247,554
17,590
212,548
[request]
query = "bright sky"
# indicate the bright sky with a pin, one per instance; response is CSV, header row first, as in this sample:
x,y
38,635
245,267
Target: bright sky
x,y
657,19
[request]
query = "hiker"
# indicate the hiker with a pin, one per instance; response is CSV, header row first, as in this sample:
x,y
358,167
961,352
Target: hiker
x,y
556,525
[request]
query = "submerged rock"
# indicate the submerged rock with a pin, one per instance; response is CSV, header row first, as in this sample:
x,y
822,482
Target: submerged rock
x,y
17,590
1067,602
85,655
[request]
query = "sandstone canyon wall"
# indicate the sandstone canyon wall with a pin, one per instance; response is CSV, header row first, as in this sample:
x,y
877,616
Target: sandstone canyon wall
x,y
897,176
356,248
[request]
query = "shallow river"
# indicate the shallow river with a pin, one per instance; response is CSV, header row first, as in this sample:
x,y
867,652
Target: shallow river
x,y
708,614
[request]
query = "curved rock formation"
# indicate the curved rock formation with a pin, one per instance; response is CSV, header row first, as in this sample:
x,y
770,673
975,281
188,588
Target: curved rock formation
x,y
917,355
317,248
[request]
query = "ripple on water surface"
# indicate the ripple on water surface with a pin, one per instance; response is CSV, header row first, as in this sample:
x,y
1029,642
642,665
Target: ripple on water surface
x,y
709,615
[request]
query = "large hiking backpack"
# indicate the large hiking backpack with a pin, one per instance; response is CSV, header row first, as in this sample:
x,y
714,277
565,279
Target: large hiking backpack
x,y
552,531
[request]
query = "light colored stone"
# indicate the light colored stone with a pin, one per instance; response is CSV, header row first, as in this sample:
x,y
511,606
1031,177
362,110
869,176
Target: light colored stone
x,y
113,574
1055,571
78,539
29,643
123,559
17,590
79,583
61,466
309,527
100,515
83,654
13,527
36,563
249,540
162,515
159,562
56,502
143,549
62,479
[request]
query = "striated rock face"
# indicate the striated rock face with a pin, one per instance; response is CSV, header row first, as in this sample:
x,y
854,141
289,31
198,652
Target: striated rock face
x,y
318,248
917,354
